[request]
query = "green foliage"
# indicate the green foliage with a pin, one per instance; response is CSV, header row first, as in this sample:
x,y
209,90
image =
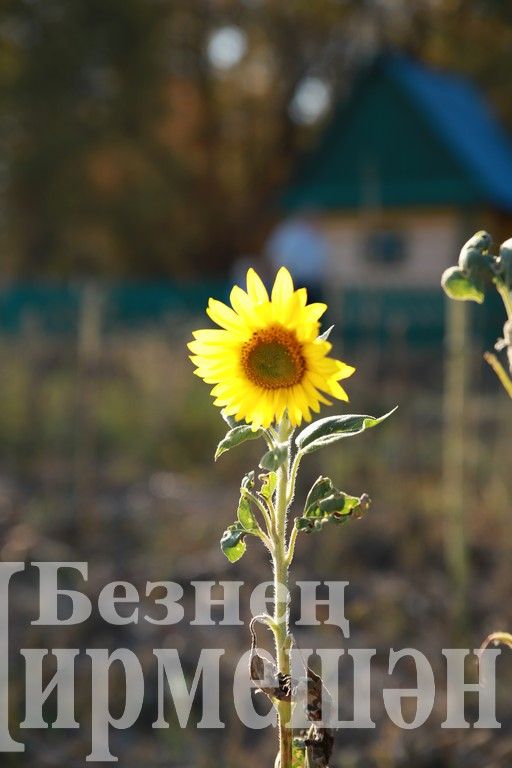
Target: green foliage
x,y
474,258
505,263
457,284
230,420
321,487
325,504
233,539
232,542
298,754
245,515
237,436
333,428
268,486
274,458
477,264
248,481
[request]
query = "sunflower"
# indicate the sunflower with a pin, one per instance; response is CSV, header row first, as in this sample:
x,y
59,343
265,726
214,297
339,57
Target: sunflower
x,y
267,357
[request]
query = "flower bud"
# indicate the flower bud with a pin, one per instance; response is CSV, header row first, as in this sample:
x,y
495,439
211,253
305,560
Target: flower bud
x,y
481,240
473,261
474,257
457,284
505,262
506,249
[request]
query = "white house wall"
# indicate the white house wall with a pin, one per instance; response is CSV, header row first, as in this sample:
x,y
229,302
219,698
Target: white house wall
x,y
432,242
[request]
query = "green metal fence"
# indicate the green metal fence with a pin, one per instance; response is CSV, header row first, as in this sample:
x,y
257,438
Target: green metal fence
x,y
413,316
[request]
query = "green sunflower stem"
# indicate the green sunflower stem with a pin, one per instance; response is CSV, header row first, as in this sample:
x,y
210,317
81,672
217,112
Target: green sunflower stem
x,y
281,602
506,296
500,372
293,477
505,377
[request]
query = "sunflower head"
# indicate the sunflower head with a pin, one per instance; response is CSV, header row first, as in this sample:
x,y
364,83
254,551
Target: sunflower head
x,y
266,358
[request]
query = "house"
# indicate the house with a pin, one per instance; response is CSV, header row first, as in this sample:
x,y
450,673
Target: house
x,y
410,165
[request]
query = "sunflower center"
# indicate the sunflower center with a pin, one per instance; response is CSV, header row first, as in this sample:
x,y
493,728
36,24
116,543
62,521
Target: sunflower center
x,y
272,358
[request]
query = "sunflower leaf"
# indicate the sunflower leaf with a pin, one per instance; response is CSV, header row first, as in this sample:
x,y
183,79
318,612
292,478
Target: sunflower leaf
x,y
320,488
329,430
334,507
236,436
230,420
268,485
275,458
245,515
459,285
232,542
339,504
248,481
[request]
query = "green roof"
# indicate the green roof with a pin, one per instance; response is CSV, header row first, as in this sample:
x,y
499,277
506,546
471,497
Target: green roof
x,y
407,136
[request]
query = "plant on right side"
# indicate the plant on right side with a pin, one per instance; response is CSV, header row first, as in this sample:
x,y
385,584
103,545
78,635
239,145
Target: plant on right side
x,y
479,266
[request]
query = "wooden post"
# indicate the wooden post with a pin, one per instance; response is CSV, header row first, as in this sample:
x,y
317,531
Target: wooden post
x,y
454,453
34,346
88,352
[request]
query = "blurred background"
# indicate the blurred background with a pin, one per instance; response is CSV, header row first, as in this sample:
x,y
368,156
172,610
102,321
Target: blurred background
x,y
151,150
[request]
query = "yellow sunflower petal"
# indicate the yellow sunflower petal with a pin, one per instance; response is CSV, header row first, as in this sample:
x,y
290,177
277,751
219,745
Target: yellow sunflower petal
x,y
209,335
282,291
224,316
337,391
315,311
255,287
265,358
344,370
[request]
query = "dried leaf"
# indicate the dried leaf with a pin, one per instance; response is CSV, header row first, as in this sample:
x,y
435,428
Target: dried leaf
x,y
319,747
265,676
271,682
318,741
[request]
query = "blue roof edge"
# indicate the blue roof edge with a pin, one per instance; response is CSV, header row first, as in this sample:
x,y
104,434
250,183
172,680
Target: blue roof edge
x,y
464,120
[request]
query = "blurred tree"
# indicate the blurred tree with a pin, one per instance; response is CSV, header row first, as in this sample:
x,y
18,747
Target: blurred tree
x,y
151,136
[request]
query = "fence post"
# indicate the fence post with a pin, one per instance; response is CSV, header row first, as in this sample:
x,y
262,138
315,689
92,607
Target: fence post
x,y
456,344
89,334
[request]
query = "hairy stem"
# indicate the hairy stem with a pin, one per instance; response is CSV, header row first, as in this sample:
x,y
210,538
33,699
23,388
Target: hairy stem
x,y
291,546
504,377
281,607
293,477
507,298
264,511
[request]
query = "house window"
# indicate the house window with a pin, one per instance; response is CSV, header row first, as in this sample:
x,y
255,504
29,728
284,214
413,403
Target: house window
x,y
386,247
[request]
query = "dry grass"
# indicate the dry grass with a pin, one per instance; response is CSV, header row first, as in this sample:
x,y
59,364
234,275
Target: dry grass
x,y
107,457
